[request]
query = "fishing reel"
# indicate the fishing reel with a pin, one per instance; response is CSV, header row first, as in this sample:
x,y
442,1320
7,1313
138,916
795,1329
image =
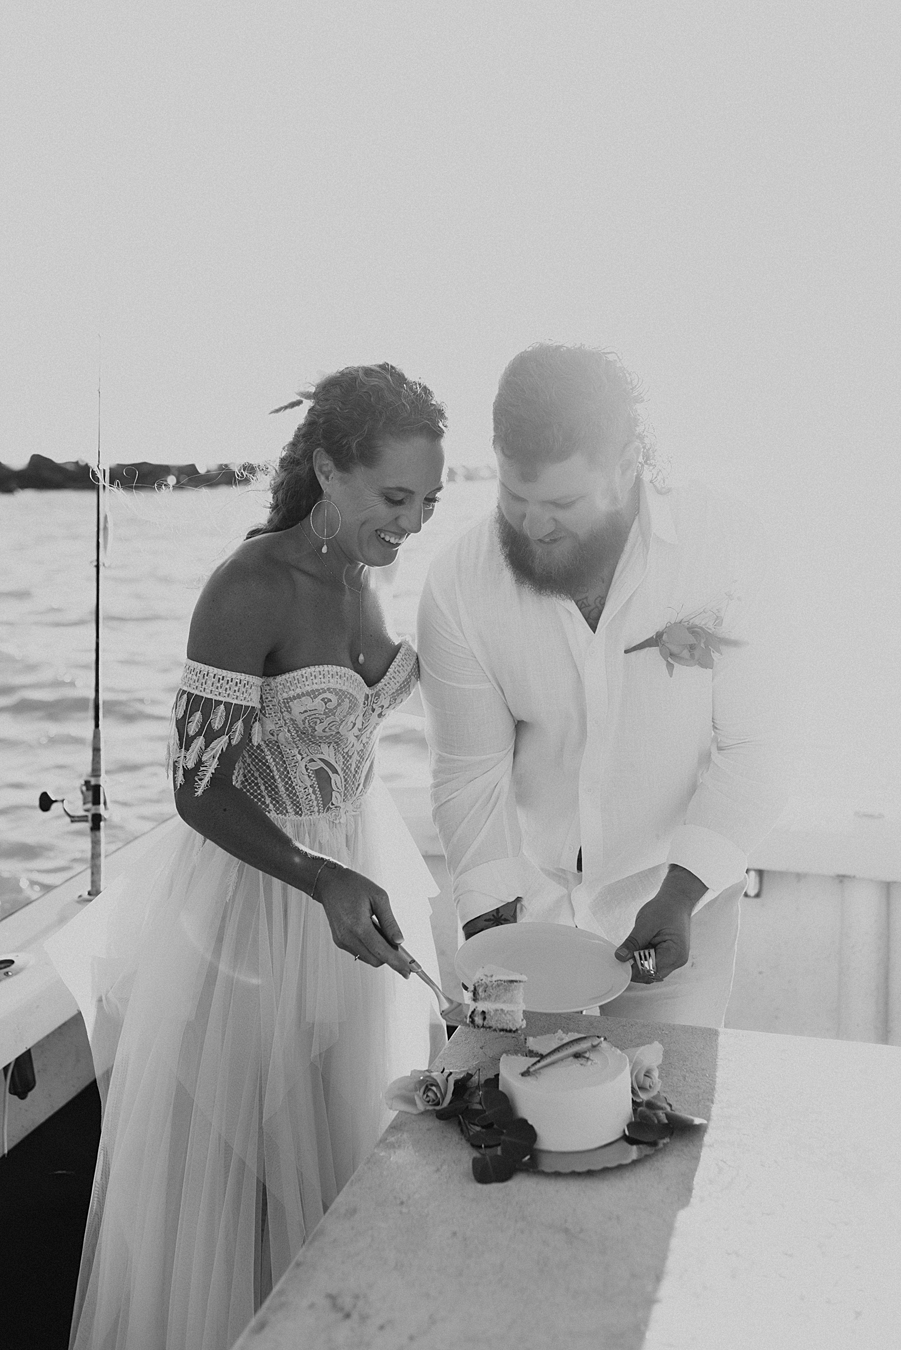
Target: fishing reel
x,y
90,806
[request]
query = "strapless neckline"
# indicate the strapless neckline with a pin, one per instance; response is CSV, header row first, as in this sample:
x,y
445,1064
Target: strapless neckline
x,y
327,665
312,730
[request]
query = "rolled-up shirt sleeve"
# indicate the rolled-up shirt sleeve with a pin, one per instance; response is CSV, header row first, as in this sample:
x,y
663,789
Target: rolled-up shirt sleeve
x,y
745,786
471,735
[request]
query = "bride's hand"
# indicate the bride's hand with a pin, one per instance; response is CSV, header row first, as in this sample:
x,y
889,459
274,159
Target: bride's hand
x,y
350,900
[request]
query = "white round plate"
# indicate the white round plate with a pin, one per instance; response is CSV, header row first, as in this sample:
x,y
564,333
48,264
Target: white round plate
x,y
566,969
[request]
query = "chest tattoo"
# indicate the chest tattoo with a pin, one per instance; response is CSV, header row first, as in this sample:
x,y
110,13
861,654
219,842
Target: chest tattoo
x,y
591,605
592,608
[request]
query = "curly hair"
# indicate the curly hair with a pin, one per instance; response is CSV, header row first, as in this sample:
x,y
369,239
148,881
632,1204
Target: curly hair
x,y
554,401
350,413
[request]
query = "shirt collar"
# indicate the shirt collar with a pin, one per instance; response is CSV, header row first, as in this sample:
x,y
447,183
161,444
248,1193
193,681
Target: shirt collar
x,y
655,514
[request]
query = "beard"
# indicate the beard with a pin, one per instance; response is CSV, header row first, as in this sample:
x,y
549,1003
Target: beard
x,y
563,570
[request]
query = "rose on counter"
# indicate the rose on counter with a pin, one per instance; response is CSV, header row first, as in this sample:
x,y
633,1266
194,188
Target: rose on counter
x,y
645,1061
421,1090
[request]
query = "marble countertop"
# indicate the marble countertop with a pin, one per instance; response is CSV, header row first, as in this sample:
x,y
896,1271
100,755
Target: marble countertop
x,y
776,1226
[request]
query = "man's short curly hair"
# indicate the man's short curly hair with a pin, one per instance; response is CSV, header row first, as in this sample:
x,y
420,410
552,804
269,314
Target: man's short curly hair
x,y
554,401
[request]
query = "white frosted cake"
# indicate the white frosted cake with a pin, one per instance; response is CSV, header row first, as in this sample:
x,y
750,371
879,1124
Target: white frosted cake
x,y
577,1103
497,999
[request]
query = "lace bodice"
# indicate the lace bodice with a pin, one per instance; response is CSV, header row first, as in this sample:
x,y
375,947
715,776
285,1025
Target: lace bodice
x,y
309,735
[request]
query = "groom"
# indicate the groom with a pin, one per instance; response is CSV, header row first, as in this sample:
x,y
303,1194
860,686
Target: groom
x,y
600,709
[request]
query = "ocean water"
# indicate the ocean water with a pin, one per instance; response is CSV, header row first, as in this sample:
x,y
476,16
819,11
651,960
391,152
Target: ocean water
x,y
163,547
838,672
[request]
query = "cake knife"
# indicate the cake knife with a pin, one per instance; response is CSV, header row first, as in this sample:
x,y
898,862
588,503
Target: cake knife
x,y
455,1014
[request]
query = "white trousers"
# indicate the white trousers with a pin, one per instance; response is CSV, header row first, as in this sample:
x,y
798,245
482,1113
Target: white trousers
x,y
696,993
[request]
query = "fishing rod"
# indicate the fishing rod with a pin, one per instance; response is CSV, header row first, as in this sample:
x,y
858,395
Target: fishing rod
x,y
94,804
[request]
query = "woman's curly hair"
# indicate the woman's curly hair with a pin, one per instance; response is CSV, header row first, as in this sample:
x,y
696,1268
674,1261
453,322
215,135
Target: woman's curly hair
x,y
350,413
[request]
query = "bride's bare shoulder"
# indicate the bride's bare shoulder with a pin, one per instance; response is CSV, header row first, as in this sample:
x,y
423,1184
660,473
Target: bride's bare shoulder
x,y
240,611
256,573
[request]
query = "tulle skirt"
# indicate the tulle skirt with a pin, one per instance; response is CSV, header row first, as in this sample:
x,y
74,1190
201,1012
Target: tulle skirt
x,y
249,1060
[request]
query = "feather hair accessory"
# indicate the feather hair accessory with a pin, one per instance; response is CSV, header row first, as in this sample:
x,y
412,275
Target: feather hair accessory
x,y
295,403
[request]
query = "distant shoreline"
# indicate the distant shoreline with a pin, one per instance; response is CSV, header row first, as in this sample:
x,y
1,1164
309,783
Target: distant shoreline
x,y
50,475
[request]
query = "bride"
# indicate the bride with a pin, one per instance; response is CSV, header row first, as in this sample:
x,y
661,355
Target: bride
x,y
236,970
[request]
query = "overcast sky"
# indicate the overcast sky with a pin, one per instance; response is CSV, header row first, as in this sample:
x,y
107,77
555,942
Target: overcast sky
x,y
239,197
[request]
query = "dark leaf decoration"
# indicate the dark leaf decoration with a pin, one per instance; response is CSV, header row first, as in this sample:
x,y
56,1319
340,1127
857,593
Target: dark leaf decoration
x,y
489,1124
654,1117
522,1131
483,1138
647,1131
498,1114
515,1150
679,1121
452,1110
489,1167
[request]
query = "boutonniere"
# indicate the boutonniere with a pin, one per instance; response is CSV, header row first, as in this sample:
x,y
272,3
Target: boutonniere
x,y
689,642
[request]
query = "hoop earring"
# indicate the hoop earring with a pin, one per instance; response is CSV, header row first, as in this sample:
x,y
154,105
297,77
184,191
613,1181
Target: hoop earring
x,y
326,502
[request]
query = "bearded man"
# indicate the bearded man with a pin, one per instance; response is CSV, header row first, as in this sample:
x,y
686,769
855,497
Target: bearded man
x,y
599,700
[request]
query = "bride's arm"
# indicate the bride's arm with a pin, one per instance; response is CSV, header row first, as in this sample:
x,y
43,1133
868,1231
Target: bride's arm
x,y
234,627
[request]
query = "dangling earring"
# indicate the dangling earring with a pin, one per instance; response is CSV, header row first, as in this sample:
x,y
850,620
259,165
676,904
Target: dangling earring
x,y
325,502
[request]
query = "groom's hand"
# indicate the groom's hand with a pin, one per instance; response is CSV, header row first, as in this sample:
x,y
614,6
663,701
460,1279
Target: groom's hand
x,y
664,923
493,919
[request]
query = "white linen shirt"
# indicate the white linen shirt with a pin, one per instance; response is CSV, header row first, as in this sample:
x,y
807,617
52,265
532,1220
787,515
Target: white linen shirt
x,y
545,737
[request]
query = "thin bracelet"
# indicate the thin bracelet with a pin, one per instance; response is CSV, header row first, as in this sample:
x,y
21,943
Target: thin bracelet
x,y
326,862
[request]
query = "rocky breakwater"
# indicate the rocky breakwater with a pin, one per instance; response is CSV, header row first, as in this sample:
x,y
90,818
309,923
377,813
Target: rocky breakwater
x,y
46,474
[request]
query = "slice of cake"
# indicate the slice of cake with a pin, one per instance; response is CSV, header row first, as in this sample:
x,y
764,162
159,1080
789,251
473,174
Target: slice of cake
x,y
497,999
575,1104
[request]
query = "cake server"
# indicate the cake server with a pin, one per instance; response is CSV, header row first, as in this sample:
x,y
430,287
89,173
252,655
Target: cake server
x,y
455,1014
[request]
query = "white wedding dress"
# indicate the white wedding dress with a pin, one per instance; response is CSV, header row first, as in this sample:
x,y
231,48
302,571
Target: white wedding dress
x,y
251,1054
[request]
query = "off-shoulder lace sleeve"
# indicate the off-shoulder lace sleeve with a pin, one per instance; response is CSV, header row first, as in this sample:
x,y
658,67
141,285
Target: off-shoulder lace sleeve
x,y
213,709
